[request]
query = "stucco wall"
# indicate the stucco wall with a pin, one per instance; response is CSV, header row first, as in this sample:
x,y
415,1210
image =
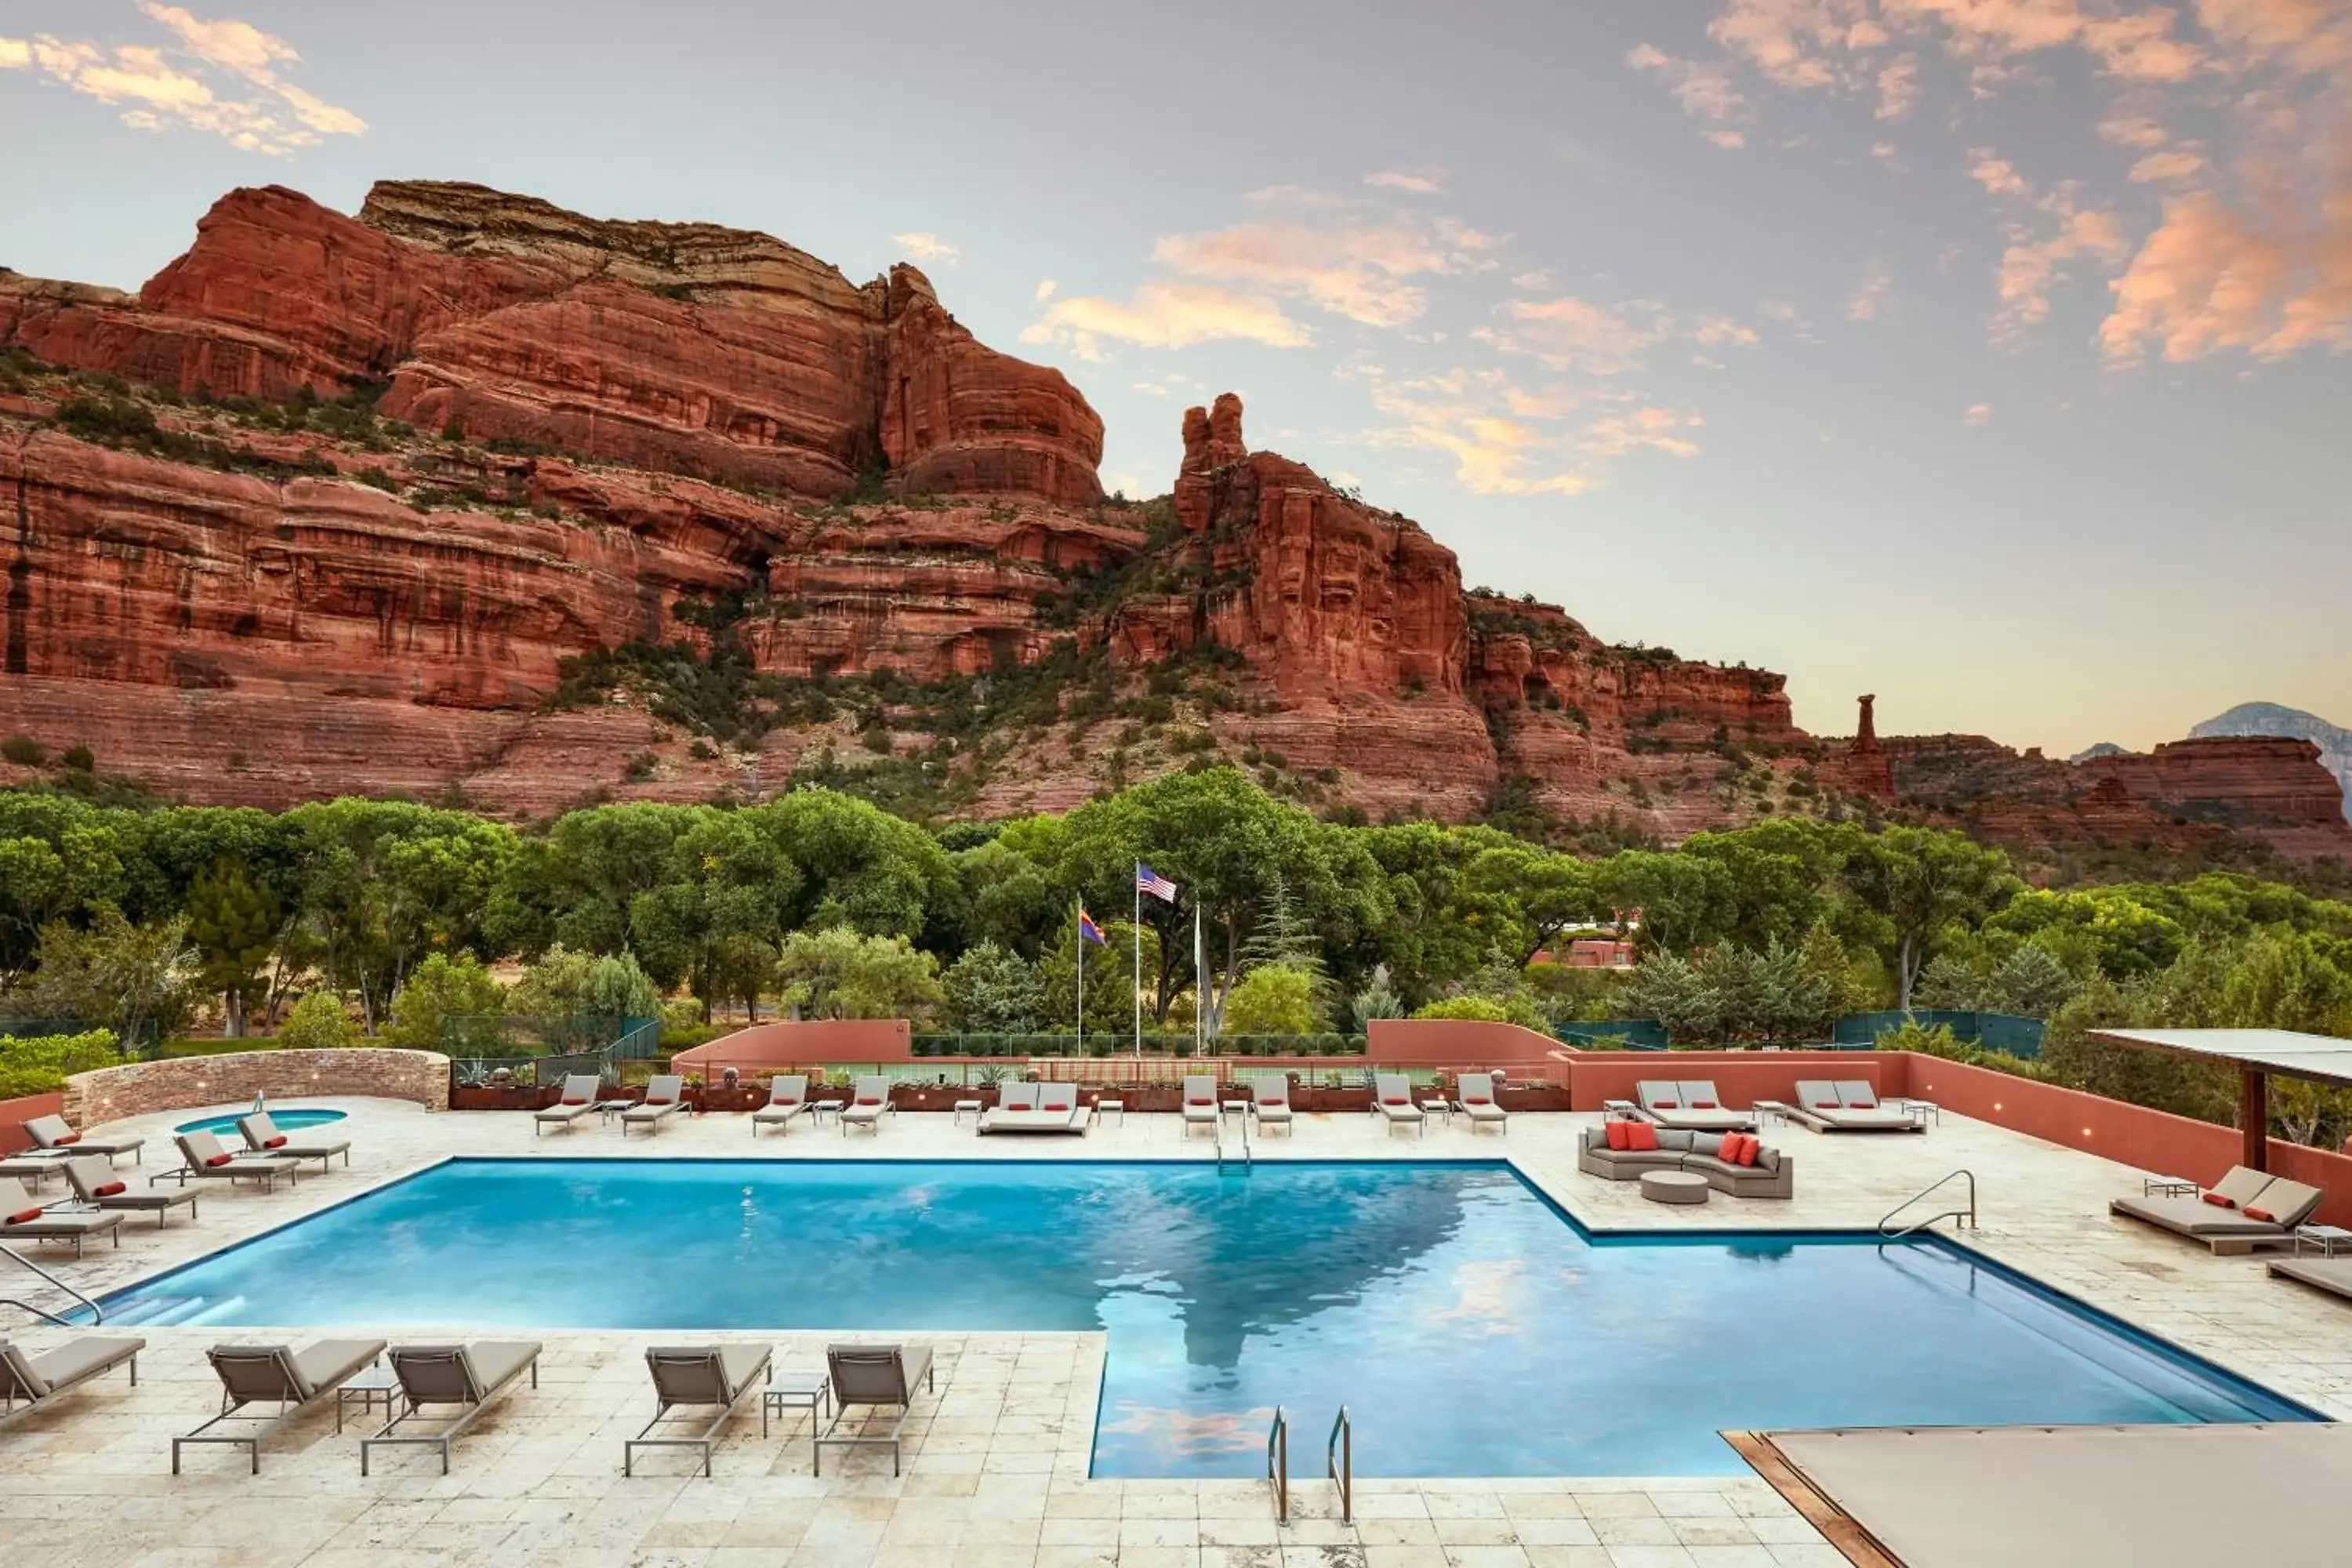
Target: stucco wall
x,y
14,1113
875,1040
1435,1041
1741,1077
141,1089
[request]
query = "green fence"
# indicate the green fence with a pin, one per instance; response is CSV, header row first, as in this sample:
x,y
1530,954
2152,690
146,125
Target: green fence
x,y
2003,1031
1110,1045
1614,1035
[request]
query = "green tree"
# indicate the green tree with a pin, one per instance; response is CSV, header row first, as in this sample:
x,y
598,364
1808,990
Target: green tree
x,y
1919,883
1686,901
1110,992
1476,1009
1275,999
992,990
448,1004
838,972
234,922
316,1022
600,991
136,980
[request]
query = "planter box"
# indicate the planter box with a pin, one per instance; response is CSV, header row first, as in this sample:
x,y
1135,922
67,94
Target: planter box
x,y
486,1099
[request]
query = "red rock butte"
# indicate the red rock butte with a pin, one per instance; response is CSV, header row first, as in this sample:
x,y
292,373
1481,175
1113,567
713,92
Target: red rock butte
x,y
602,422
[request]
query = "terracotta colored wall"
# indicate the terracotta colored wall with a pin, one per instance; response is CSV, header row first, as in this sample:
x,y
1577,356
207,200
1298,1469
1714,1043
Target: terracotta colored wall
x,y
14,1113
1741,1078
1467,1041
141,1089
874,1040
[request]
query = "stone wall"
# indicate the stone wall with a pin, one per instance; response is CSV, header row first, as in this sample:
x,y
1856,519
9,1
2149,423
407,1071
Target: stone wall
x,y
141,1089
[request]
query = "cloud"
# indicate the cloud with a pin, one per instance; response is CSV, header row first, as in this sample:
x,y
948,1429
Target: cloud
x,y
2030,268
1567,332
1730,141
1704,91
1149,389
1869,296
1360,260
2211,278
198,81
2133,131
1997,175
1898,88
1421,183
1165,316
2168,166
1045,289
1978,413
924,246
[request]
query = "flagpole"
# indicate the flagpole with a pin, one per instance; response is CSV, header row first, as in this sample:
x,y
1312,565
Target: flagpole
x,y
1137,932
1082,982
1200,983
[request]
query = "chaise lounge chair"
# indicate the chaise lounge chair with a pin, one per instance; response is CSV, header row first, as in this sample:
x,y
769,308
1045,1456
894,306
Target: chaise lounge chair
x,y
28,1380
2333,1275
292,1380
34,1166
664,1093
1692,1106
869,1103
578,1100
22,1219
787,1097
714,1375
1392,1100
93,1182
1200,1103
469,1375
1048,1108
2244,1210
1848,1106
206,1160
262,1137
1477,1102
52,1132
1270,1101
871,1376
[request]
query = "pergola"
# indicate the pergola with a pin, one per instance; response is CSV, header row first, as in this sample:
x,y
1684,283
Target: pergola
x,y
2257,1053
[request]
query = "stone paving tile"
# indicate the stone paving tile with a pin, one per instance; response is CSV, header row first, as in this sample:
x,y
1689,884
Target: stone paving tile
x,y
995,1472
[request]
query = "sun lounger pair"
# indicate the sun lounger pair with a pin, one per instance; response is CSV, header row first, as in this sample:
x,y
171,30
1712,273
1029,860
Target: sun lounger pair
x,y
787,1097
1475,1098
2243,1210
1849,1105
1689,1106
1393,1101
577,1099
52,1132
203,1158
30,1379
24,1217
665,1092
1048,1108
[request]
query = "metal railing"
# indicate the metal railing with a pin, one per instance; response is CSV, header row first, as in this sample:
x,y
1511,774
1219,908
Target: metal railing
x,y
1966,1217
1245,1156
97,1313
1277,1464
1339,1463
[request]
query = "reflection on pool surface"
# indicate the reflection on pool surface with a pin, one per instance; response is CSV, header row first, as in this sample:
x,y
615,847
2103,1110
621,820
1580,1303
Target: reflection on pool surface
x,y
1469,1327
287,1120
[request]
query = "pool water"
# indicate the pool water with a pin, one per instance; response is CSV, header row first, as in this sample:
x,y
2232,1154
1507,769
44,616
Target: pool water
x,y
287,1120
1468,1326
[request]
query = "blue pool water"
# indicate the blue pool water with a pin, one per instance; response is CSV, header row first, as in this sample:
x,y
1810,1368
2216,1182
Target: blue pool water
x,y
287,1120
1470,1327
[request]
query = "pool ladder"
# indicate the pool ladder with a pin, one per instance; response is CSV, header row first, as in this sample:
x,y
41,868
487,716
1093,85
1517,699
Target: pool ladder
x,y
1244,1157
1339,1463
1965,1217
97,1313
1277,1464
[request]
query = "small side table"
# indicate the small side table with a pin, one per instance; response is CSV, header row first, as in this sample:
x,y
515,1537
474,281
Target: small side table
x,y
971,1107
1239,1108
606,1109
808,1390
2326,1238
2169,1187
373,1387
1769,1111
1924,1111
1112,1107
821,1109
1440,1109
1620,1110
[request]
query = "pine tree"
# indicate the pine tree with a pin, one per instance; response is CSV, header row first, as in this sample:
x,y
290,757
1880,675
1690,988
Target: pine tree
x,y
234,920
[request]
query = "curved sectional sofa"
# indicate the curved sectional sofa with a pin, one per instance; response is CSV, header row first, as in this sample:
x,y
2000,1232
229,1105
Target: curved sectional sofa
x,y
1774,1175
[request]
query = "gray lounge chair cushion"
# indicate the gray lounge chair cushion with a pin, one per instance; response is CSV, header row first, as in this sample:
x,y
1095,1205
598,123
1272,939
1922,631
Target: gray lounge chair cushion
x,y
1881,1121
331,1363
1483,1110
1818,1096
2322,1273
2288,1203
2241,1185
2194,1216
38,1375
497,1361
1856,1094
60,1224
861,1374
55,1132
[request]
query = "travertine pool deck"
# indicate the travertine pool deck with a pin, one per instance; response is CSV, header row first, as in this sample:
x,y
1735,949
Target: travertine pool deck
x,y
996,1467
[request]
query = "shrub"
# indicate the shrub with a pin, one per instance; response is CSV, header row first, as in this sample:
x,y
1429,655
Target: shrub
x,y
1477,1009
80,759
24,751
317,1021
639,768
40,1064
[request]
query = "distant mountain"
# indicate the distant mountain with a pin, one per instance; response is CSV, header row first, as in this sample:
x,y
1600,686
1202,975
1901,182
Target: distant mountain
x,y
2334,741
2104,749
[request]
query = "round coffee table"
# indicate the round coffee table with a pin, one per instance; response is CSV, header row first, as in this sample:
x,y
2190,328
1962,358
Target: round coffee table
x,y
1673,1186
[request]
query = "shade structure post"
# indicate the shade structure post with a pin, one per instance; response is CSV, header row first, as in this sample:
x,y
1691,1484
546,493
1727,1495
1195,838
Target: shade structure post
x,y
2254,1117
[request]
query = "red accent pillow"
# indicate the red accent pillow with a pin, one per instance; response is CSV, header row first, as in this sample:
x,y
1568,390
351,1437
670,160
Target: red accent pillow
x,y
2218,1201
1666,1105
1749,1147
1641,1135
110,1189
1396,1100
656,1100
27,1217
276,1142
68,1140
217,1161
1212,1103
1824,1105
1056,1105
2263,1214
570,1100
1614,1130
1705,1105
1729,1152
869,1102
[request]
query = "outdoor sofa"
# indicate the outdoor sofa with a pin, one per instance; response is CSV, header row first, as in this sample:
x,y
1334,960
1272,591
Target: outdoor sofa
x,y
1773,1173
1849,1105
2244,1210
1047,1107
1691,1106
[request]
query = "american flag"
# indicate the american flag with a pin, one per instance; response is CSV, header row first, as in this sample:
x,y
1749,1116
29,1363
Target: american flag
x,y
1151,881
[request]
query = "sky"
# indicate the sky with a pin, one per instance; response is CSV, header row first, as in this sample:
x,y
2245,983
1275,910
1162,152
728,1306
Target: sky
x,y
1988,356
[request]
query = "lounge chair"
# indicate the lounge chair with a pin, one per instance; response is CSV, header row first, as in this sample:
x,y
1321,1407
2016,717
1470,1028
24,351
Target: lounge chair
x,y
871,1377
206,1160
1691,1105
714,1375
2333,1275
34,1166
262,1137
52,1132
664,1093
22,1219
29,1379
1201,1103
1392,1099
266,1374
1047,1107
2244,1210
1851,1106
578,1100
1476,1099
468,1375
869,1103
93,1182
1270,1101
787,1097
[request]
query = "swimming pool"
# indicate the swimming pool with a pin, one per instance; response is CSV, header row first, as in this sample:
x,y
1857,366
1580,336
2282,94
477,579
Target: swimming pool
x,y
1470,1327
287,1120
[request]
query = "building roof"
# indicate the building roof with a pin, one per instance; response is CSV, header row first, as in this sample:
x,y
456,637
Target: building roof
x,y
2319,1058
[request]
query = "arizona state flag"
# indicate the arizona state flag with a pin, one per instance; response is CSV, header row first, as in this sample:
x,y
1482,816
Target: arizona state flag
x,y
1087,930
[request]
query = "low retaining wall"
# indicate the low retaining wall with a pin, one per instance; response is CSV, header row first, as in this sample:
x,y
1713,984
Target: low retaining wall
x,y
141,1089
1398,1041
14,1113
1741,1077
875,1040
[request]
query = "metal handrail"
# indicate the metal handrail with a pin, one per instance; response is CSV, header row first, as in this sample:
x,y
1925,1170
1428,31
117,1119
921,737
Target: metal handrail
x,y
1277,1464
97,1313
1967,1217
1339,1463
